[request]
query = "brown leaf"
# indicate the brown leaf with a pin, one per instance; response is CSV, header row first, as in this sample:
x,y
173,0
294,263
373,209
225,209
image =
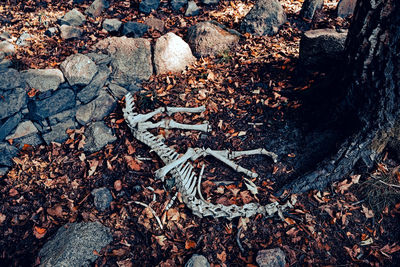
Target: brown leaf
x,y
118,185
56,211
190,244
39,232
222,256
132,163
2,218
367,212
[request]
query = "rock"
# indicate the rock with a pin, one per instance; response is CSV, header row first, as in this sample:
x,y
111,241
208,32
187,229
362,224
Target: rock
x,y
178,4
131,59
62,116
7,48
102,198
146,6
192,9
78,69
112,25
264,18
134,29
271,258
95,110
9,125
12,101
26,133
43,79
3,171
99,59
5,64
52,31
58,132
62,99
74,244
97,136
172,54
156,24
23,39
70,32
96,8
321,47
10,79
209,38
345,8
7,152
117,91
91,90
197,261
72,18
309,7
210,2
5,36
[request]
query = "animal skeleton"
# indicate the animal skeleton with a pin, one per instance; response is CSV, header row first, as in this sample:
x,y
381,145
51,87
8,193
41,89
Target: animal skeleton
x,y
187,183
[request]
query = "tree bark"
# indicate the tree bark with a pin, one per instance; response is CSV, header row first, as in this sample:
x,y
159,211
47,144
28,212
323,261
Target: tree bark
x,y
371,82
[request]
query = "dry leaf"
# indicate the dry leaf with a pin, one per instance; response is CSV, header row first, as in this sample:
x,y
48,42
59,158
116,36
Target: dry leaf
x,y
39,232
190,244
132,163
118,185
367,212
222,256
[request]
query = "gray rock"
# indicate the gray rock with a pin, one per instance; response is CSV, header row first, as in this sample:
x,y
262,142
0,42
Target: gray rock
x,y
52,31
7,152
131,59
178,4
134,29
117,91
321,47
10,79
197,261
271,258
102,198
62,99
99,59
192,9
58,132
264,18
74,243
96,8
208,38
70,32
156,24
346,8
5,64
72,18
112,25
210,2
172,54
78,69
62,116
146,6
95,110
12,101
3,171
7,48
26,133
23,39
97,136
5,36
91,90
309,8
9,125
43,79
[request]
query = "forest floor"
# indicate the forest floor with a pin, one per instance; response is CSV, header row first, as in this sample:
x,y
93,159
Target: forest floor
x,y
251,99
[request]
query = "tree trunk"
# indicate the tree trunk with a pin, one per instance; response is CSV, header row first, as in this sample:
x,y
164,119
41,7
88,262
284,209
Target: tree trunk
x,y
371,82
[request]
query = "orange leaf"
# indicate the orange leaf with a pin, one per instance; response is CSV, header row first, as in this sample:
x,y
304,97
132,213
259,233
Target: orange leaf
x,y
222,256
190,244
39,232
132,163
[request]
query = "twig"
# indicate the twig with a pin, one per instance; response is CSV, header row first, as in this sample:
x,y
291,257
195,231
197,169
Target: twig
x,y
238,239
391,185
152,211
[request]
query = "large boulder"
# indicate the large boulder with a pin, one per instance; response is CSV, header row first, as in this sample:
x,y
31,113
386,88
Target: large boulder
x,y
131,59
72,18
62,99
78,69
92,89
12,101
209,38
309,8
264,18
7,48
172,54
274,257
192,9
321,47
43,79
10,79
74,245
146,6
96,8
345,8
98,135
156,24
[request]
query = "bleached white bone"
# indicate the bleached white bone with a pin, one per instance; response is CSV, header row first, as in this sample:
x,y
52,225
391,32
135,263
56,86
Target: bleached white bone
x,y
160,173
134,120
171,124
236,154
172,110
